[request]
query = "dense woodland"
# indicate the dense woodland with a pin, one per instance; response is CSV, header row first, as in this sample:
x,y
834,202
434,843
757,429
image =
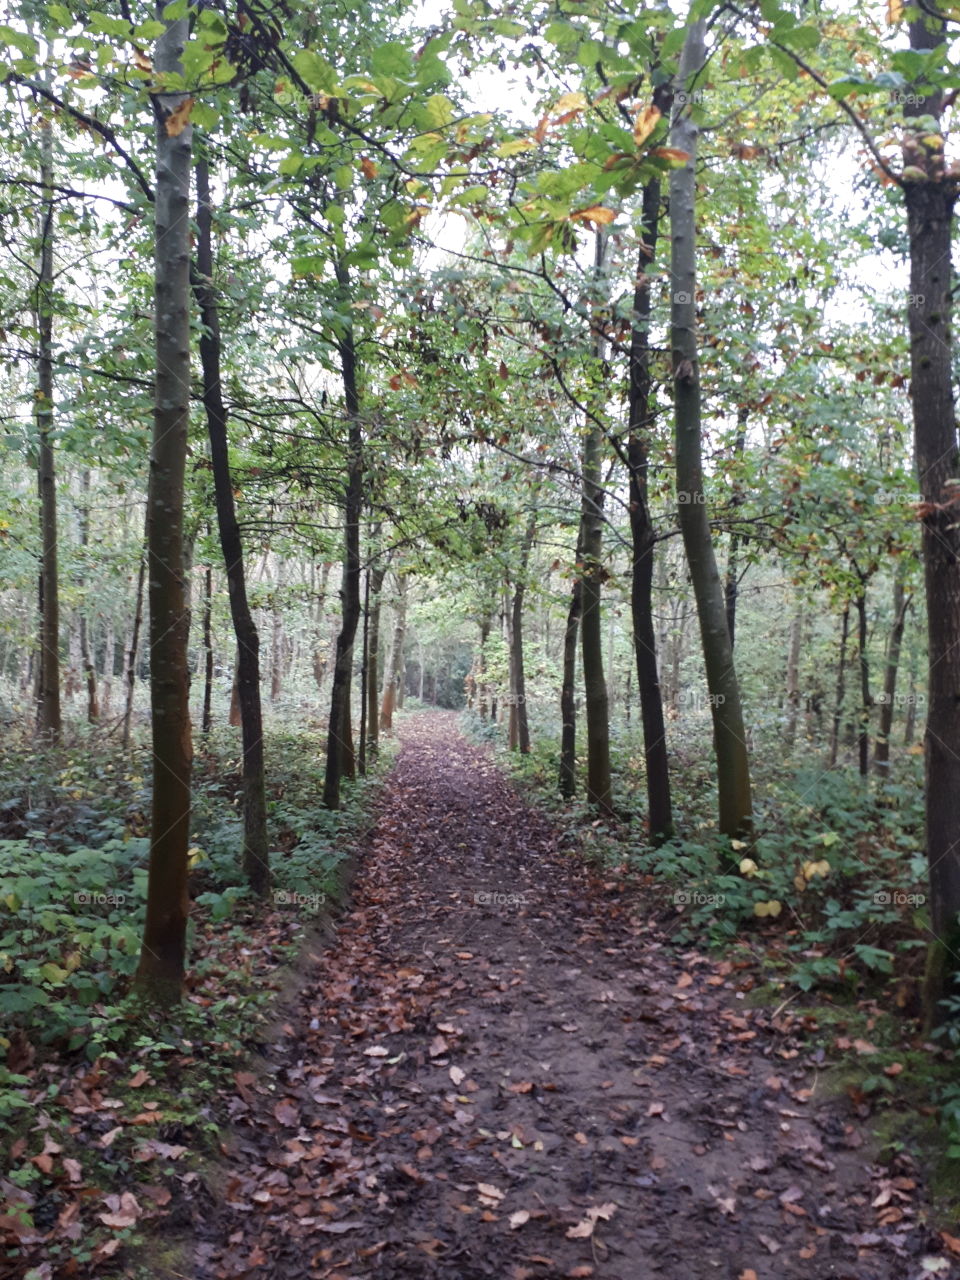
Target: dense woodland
x,y
582,368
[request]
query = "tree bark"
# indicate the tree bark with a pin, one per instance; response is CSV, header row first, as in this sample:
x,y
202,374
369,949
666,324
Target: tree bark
x,y
89,669
378,574
130,675
901,604
159,977
567,779
731,582
519,720
339,737
206,720
930,205
866,700
793,679
733,770
641,428
256,855
392,675
841,687
599,786
49,722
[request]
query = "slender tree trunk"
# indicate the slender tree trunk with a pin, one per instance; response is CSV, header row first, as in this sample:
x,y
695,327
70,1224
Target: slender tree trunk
x,y
866,699
393,673
519,721
793,679
48,684
841,687
567,780
339,738
276,635
206,721
159,978
364,676
109,667
599,786
910,726
901,603
641,428
86,661
130,675
256,856
731,583
378,574
730,744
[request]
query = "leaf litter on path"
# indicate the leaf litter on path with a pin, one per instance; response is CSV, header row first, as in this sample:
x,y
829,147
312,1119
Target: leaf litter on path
x,y
498,1067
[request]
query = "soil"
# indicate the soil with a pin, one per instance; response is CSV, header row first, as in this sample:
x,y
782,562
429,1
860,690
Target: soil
x,y
499,1066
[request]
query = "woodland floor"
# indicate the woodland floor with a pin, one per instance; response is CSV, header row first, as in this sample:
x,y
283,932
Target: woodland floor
x,y
535,1088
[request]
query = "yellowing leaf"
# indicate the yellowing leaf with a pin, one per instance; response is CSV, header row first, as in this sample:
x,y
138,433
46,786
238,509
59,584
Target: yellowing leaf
x,y
645,124
748,867
674,155
598,214
367,167
772,908
894,11
570,102
179,118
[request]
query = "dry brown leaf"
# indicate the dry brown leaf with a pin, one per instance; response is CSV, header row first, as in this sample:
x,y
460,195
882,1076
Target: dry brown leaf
x,y
179,118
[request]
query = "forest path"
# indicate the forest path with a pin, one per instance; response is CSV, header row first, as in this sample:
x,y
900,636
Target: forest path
x,y
533,1084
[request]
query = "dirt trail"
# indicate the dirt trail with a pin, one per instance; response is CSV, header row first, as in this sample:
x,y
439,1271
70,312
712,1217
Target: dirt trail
x,y
497,1069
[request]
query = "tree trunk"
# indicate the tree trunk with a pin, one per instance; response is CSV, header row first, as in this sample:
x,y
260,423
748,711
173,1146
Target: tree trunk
x,y
866,700
910,725
130,675
599,787
206,720
641,429
159,977
378,574
339,738
49,722
901,603
519,721
731,584
276,636
733,771
392,675
841,688
256,855
930,206
89,670
567,780
793,680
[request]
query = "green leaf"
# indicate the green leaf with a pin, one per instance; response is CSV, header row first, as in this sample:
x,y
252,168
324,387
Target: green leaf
x,y
392,59
20,40
316,72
